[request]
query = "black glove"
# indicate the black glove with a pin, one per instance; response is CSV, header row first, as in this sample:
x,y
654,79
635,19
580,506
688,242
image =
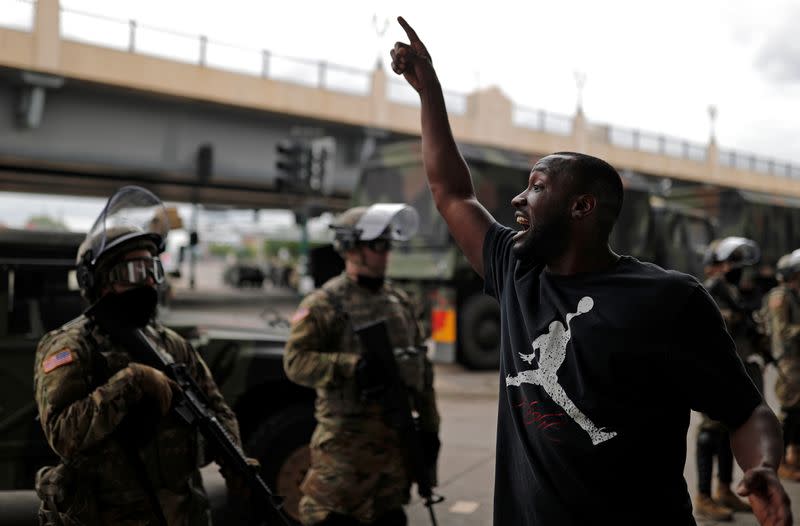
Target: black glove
x,y
370,379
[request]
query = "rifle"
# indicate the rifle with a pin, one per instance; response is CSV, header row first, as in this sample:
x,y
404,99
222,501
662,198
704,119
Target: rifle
x,y
191,405
397,411
753,331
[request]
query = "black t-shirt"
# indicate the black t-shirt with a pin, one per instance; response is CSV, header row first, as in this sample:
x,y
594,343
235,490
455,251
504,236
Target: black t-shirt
x,y
598,373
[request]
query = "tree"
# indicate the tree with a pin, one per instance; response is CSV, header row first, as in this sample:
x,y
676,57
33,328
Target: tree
x,y
45,222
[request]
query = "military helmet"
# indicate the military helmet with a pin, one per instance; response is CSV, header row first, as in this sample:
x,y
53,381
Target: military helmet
x,y
132,218
395,221
787,265
738,251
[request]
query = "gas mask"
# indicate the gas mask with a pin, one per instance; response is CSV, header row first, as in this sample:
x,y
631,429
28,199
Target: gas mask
x,y
132,308
734,276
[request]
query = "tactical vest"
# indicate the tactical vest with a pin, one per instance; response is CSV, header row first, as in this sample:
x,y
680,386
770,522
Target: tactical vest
x,y
357,306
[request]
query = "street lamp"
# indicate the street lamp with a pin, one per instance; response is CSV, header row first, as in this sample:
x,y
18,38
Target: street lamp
x,y
580,82
380,25
712,117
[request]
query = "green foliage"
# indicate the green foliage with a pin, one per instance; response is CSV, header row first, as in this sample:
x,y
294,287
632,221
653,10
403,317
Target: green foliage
x,y
45,222
215,249
222,250
272,246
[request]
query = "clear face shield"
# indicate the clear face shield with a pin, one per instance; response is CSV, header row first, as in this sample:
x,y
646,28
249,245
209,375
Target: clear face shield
x,y
132,212
789,265
386,222
738,251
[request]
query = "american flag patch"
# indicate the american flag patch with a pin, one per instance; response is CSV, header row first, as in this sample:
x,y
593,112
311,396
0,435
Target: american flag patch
x,y
62,357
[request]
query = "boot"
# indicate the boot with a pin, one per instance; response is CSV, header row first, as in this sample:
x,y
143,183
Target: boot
x,y
729,499
706,508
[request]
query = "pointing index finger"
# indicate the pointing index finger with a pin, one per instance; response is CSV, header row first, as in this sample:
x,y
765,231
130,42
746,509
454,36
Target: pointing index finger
x,y
412,35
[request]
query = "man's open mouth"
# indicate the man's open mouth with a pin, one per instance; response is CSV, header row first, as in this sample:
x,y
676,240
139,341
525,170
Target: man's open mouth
x,y
525,226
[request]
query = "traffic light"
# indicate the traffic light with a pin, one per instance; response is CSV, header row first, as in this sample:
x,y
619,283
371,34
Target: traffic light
x,y
294,163
302,165
205,163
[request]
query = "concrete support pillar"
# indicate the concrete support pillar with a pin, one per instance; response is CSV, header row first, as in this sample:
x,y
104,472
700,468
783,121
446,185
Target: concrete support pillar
x,y
47,35
712,152
378,97
580,131
712,159
490,113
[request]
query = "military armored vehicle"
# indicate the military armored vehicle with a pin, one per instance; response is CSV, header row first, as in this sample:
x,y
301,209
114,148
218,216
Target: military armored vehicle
x,y
463,322
38,292
773,221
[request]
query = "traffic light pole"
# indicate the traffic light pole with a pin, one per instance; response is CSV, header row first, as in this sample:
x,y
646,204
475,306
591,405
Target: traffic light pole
x,y
204,168
302,220
193,248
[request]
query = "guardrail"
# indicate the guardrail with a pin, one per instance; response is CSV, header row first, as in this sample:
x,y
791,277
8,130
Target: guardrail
x,y
131,36
656,143
754,163
541,120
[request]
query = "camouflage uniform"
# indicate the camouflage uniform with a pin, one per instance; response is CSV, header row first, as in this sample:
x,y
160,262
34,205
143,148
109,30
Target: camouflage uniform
x,y
782,319
357,466
79,419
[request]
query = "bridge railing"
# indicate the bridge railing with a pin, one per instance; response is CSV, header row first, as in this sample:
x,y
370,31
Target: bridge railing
x,y
541,120
638,140
129,35
755,163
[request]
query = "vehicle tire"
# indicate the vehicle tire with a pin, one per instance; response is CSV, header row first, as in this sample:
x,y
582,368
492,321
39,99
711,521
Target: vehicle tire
x,y
479,332
281,445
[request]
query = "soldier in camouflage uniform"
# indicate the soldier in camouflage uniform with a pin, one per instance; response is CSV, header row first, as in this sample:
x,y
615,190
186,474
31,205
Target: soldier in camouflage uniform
x,y
125,459
358,475
781,316
724,261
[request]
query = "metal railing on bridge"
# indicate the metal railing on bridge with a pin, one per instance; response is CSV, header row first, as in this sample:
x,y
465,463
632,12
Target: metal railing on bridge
x,y
131,36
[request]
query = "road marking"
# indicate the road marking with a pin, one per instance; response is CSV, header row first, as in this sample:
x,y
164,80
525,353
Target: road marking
x,y
464,507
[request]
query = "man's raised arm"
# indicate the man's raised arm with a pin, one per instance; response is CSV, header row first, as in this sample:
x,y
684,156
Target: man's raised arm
x,y
448,175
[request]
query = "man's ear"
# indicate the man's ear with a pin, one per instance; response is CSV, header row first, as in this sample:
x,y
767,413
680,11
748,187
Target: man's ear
x,y
583,206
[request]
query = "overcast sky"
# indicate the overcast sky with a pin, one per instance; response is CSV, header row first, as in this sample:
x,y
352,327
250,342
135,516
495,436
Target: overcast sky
x,y
656,66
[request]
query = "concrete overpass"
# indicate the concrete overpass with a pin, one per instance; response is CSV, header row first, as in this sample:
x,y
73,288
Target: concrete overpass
x,y
81,118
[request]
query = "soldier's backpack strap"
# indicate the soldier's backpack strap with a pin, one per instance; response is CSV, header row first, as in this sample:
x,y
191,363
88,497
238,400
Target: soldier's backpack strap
x,y
411,307
403,298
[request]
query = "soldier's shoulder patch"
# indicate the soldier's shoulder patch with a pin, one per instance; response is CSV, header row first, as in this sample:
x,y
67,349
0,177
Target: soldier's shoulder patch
x,y
62,357
300,314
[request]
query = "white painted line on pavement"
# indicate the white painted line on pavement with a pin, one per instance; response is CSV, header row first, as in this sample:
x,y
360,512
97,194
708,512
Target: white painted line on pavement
x,y
464,507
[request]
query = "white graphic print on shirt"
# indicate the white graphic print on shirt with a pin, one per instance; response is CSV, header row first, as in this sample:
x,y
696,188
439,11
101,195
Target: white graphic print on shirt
x,y
552,347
